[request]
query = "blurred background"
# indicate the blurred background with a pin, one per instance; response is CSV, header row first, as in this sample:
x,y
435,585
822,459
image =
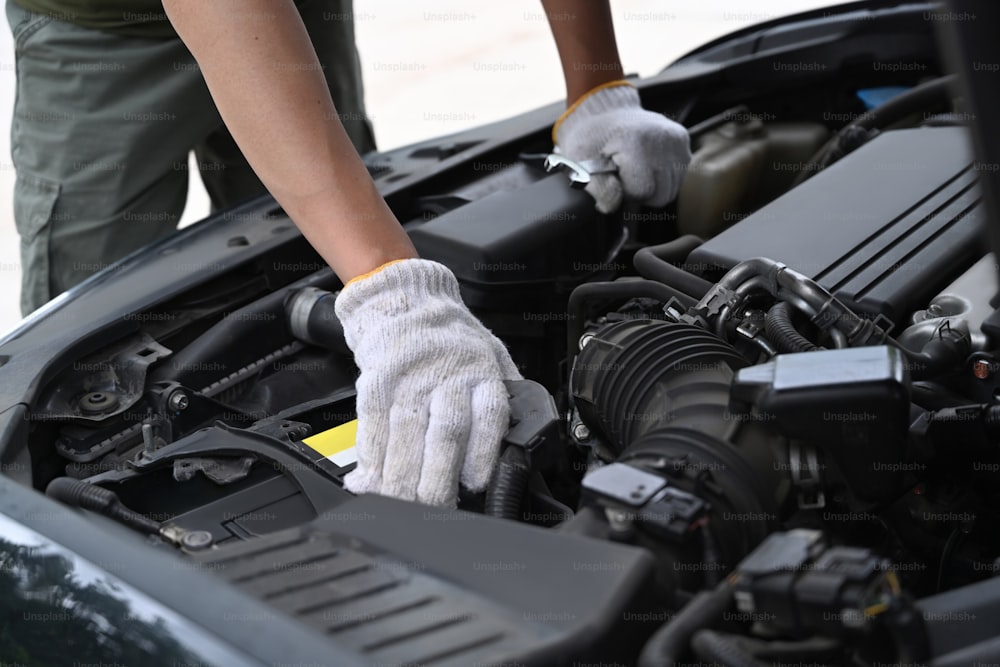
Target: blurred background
x,y
438,67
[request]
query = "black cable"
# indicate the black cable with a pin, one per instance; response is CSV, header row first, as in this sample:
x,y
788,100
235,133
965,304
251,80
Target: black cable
x,y
80,494
720,649
709,555
671,640
949,547
659,263
919,98
817,649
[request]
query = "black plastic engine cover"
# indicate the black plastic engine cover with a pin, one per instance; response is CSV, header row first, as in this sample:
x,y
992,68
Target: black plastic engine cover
x,y
884,229
402,583
511,249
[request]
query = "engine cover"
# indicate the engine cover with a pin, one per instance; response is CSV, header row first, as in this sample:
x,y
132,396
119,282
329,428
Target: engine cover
x,y
405,584
884,229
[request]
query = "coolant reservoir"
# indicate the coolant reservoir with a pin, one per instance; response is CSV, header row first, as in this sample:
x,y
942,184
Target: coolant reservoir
x,y
740,166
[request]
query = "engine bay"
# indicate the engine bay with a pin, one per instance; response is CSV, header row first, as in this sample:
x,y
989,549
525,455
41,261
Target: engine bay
x,y
758,426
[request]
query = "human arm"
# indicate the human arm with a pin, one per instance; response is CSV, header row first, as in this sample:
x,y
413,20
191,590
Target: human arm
x,y
431,403
604,117
585,39
269,88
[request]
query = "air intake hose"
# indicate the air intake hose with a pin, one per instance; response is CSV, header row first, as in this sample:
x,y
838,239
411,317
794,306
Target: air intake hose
x,y
657,393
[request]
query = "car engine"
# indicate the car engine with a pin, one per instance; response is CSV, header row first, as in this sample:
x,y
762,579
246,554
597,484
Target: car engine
x,y
759,427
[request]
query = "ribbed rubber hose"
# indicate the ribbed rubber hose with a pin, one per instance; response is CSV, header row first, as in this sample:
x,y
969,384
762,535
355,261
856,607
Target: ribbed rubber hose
x,y
782,332
505,494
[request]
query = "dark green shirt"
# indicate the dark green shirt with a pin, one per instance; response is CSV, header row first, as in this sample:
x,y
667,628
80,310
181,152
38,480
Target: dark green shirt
x,y
138,18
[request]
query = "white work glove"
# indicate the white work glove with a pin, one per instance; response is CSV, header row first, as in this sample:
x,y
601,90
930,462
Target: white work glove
x,y
650,150
431,401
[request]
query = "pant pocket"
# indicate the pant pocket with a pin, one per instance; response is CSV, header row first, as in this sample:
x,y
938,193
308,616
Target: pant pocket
x,y
23,23
34,204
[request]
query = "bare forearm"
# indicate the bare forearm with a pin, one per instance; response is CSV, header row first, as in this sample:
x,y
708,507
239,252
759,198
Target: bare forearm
x,y
585,37
268,85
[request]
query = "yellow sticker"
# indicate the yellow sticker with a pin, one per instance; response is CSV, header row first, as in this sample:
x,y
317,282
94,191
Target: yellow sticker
x,y
337,443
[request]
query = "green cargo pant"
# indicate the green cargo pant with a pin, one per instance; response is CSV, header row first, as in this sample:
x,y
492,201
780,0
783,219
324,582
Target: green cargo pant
x,y
102,128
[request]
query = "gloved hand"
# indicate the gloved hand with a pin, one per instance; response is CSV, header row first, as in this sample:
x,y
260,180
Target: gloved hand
x,y
431,400
651,151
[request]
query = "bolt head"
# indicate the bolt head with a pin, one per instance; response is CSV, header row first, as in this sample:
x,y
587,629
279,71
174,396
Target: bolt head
x,y
97,402
196,540
178,401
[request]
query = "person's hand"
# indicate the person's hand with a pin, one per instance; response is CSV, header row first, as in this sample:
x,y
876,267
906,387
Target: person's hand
x,y
650,150
432,406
